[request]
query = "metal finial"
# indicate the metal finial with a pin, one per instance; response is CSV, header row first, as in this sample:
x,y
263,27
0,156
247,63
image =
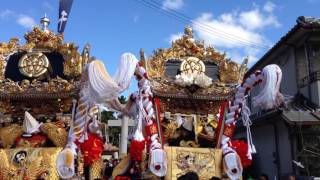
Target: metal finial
x,y
45,22
188,31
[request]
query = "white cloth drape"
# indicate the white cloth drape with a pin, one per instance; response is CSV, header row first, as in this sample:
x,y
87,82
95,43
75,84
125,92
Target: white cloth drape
x,y
125,70
102,87
269,96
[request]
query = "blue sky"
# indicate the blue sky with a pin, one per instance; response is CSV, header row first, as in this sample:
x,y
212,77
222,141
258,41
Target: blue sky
x,y
114,27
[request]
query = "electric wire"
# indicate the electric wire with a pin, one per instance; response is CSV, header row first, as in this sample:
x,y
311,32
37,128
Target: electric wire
x,y
213,29
185,19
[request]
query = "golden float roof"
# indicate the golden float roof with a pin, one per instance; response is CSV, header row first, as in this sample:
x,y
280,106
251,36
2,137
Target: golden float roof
x,y
42,42
229,72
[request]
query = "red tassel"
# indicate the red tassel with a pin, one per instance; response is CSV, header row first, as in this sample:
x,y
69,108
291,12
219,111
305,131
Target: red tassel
x,y
136,149
91,149
242,149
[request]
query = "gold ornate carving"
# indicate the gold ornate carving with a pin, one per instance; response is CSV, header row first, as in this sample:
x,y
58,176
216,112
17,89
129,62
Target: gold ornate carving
x,y
184,143
7,48
5,106
9,134
65,105
80,166
42,39
205,127
56,134
45,41
96,169
3,65
33,64
29,163
72,65
217,91
185,47
170,130
55,85
205,162
229,72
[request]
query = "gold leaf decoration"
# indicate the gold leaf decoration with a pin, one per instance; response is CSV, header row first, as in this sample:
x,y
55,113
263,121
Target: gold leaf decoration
x,y
38,163
206,162
56,134
38,40
9,134
184,47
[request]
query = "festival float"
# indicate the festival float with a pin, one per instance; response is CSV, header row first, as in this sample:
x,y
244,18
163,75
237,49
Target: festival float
x,y
39,89
190,97
188,101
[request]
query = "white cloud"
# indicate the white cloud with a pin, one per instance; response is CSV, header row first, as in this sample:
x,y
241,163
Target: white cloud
x,y
239,33
6,13
269,7
21,19
251,19
230,36
172,4
26,21
222,32
174,37
255,19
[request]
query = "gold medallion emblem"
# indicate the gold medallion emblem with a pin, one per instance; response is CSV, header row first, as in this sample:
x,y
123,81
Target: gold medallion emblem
x,y
33,64
192,65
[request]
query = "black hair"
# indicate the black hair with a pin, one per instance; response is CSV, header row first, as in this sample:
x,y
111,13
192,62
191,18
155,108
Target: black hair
x,y
189,176
265,176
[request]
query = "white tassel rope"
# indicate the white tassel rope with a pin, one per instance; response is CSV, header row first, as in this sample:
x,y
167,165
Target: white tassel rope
x,y
269,97
145,105
99,88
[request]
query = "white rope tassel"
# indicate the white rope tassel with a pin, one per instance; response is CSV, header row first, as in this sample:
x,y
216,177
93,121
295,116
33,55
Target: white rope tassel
x,y
247,123
138,133
269,97
157,159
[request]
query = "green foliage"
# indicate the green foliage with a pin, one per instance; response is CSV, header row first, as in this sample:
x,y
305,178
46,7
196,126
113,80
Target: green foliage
x,y
113,131
309,150
122,99
107,115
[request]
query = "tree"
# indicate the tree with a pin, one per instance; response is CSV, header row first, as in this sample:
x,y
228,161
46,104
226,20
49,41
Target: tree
x,y
122,99
109,115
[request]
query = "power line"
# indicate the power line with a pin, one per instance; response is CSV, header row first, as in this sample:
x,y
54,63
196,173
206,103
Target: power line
x,y
209,29
204,25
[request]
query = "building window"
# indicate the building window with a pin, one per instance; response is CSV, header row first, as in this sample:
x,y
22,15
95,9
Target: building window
x,y
314,56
